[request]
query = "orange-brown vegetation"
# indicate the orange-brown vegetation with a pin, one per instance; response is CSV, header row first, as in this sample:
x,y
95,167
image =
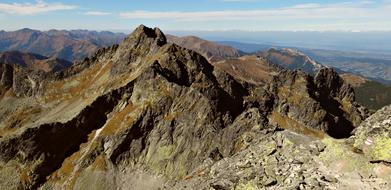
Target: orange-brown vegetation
x,y
247,68
119,119
19,118
354,80
290,124
283,58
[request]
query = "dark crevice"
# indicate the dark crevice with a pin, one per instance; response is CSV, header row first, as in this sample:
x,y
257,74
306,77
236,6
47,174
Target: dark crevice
x,y
380,162
339,126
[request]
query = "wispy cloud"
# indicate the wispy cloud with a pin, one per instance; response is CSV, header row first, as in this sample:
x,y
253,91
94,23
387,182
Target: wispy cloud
x,y
33,8
347,16
97,13
302,11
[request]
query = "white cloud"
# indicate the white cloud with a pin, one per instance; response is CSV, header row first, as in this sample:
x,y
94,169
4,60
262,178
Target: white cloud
x,y
97,13
359,15
301,11
33,8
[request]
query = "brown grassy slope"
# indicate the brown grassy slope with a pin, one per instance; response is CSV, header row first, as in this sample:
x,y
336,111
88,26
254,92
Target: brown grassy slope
x,y
247,68
212,51
369,93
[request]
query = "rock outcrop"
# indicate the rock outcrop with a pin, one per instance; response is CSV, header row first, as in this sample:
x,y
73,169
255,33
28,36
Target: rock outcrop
x,y
151,114
373,137
20,81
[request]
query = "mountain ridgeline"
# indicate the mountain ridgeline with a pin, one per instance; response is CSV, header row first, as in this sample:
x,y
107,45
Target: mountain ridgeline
x,y
33,61
68,45
212,51
148,114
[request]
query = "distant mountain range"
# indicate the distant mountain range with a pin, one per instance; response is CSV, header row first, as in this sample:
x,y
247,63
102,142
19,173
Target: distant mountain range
x,y
75,45
371,42
69,45
292,59
34,61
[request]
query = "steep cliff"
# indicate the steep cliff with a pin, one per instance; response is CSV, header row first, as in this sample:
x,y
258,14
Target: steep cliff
x,y
150,114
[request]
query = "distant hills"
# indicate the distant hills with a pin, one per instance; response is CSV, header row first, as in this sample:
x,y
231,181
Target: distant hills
x,y
371,42
69,45
212,51
292,59
33,61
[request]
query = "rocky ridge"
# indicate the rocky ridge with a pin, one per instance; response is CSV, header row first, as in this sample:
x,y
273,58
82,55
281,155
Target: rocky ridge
x,y
148,113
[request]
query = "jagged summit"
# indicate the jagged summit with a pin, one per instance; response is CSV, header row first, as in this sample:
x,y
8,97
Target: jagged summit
x,y
147,108
142,32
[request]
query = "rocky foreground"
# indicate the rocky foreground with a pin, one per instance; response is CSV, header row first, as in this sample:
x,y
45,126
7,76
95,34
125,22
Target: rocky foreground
x,y
147,114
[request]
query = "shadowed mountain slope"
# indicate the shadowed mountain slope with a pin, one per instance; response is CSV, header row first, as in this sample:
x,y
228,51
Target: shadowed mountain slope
x,y
149,114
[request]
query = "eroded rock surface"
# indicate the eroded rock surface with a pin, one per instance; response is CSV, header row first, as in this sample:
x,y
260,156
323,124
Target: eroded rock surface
x,y
373,137
155,115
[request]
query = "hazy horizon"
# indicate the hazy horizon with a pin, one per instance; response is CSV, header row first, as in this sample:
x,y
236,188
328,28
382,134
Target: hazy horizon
x,y
373,42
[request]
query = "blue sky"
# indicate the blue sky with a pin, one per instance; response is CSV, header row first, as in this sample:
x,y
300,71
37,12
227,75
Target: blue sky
x,y
210,15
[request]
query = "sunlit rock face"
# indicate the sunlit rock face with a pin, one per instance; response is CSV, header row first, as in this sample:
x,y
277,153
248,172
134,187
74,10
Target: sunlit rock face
x,y
149,115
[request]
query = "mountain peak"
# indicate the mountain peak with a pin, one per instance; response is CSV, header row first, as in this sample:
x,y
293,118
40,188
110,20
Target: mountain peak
x,y
145,105
27,30
143,32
